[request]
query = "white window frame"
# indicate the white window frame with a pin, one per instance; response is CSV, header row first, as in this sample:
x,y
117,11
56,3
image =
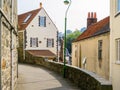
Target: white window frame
x,y
118,51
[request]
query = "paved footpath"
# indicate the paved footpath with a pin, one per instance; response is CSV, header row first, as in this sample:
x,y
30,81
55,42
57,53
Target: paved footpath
x,y
38,78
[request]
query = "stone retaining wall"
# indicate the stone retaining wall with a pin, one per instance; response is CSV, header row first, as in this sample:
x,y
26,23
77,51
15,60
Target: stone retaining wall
x,y
84,79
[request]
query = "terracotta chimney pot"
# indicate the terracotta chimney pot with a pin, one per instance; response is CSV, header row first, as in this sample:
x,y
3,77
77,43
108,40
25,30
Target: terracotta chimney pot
x,y
91,14
40,5
88,14
95,15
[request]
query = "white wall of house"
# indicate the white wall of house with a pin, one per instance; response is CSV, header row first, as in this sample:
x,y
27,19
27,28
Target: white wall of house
x,y
114,46
42,33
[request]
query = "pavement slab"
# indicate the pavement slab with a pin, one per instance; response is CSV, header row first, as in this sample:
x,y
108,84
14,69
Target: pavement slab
x,y
33,77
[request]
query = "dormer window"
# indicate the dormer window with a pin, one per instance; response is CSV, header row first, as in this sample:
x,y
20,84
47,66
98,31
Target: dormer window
x,y
27,18
42,21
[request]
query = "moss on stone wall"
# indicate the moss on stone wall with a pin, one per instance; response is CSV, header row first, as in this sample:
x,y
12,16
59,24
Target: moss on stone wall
x,y
20,54
20,36
20,49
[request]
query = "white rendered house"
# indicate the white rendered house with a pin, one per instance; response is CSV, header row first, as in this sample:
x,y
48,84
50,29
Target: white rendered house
x,y
40,33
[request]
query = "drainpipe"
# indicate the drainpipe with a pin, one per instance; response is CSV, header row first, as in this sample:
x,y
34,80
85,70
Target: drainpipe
x,y
11,45
0,43
57,47
0,47
0,4
24,43
11,56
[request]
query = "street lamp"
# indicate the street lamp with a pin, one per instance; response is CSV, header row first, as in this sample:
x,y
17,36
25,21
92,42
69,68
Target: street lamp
x,y
66,2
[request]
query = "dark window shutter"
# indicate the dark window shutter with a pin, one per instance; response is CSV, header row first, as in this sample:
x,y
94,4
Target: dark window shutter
x,y
30,42
44,21
39,20
47,42
25,39
100,49
52,42
37,42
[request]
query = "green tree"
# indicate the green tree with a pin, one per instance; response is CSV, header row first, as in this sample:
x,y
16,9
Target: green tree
x,y
70,37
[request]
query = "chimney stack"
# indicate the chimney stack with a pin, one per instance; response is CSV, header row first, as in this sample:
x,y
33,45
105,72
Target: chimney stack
x,y
40,5
88,14
92,18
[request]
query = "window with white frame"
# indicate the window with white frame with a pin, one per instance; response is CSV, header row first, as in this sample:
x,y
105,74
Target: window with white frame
x,y
118,5
118,50
33,42
50,42
42,21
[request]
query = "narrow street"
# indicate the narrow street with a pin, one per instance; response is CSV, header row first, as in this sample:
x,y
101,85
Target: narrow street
x,y
39,78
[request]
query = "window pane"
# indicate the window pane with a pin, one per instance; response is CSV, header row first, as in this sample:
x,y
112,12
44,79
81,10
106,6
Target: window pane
x,y
118,49
50,42
118,8
42,21
34,42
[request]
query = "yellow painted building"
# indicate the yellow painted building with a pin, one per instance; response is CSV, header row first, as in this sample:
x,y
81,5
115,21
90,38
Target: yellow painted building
x,y
91,49
115,43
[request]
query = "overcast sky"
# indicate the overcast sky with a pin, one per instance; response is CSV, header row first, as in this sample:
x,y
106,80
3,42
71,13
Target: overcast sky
x,y
77,13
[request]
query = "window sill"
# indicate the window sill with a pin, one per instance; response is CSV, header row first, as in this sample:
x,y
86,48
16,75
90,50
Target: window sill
x,y
50,47
117,62
118,13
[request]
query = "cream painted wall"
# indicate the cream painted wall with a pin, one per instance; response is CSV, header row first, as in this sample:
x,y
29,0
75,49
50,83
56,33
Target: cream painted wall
x,y
115,34
88,49
74,51
34,30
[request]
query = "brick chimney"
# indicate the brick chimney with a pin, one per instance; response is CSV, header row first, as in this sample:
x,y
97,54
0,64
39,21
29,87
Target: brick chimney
x,y
40,5
92,18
